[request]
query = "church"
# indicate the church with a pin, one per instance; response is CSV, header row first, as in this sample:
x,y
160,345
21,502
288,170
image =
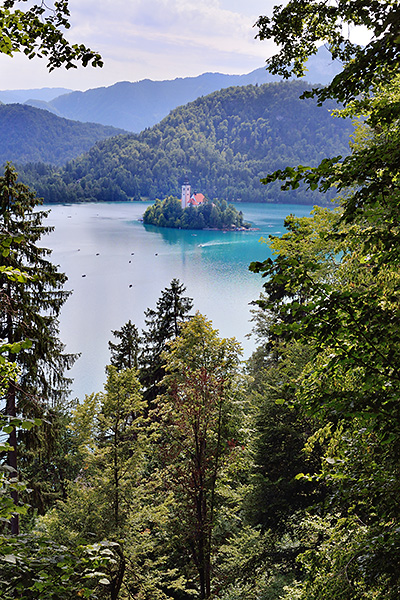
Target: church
x,y
189,199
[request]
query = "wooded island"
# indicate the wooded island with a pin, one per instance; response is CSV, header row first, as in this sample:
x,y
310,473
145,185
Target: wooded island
x,y
207,215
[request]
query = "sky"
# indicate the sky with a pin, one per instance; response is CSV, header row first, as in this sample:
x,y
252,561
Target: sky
x,y
151,39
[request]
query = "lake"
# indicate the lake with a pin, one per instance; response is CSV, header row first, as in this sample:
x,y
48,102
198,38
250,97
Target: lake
x,y
117,267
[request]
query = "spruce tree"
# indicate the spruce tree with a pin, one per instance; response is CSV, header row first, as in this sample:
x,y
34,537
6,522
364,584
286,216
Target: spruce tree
x,y
30,307
163,324
124,355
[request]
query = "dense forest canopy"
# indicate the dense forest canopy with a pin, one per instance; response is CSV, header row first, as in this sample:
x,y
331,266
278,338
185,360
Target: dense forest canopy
x,y
30,134
332,294
215,214
225,142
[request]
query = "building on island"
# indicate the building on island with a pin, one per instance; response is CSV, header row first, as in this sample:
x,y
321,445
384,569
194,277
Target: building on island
x,y
189,199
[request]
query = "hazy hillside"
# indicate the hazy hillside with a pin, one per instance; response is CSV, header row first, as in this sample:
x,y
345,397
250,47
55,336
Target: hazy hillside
x,y
42,104
135,106
20,96
223,142
29,134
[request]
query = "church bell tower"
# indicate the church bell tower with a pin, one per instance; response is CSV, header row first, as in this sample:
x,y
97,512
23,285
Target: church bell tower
x,y
185,194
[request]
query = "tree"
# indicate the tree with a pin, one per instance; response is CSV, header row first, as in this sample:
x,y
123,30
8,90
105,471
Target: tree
x,y
38,31
197,433
32,311
125,354
281,428
30,308
346,312
116,493
299,27
350,318
107,429
163,324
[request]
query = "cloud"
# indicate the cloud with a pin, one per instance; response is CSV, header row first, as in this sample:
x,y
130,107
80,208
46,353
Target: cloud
x,y
123,31
156,39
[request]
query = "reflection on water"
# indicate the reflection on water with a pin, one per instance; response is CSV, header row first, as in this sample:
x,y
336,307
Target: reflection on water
x,y
117,268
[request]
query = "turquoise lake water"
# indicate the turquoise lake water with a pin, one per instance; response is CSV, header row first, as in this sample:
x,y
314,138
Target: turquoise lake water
x,y
117,267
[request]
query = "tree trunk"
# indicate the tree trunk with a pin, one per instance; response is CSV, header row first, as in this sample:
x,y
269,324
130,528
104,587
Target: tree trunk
x,y
117,580
12,454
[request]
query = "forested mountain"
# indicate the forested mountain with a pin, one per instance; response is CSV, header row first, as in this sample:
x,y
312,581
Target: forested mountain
x,y
224,143
29,134
135,106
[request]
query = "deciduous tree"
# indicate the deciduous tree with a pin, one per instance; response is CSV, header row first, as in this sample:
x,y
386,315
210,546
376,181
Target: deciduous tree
x,y
38,30
299,27
198,431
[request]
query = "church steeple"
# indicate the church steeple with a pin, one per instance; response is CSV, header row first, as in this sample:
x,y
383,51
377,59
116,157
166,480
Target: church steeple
x,y
185,193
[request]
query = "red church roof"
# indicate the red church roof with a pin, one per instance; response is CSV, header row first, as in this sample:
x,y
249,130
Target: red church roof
x,y
196,199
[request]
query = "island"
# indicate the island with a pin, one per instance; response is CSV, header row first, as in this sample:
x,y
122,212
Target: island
x,y
194,211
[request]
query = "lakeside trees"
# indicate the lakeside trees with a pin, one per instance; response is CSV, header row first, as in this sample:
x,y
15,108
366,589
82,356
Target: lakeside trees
x,y
197,425
164,470
163,324
30,306
208,215
31,297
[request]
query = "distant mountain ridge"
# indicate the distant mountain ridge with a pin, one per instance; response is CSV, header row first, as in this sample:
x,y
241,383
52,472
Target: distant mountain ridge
x,y
137,106
28,134
43,94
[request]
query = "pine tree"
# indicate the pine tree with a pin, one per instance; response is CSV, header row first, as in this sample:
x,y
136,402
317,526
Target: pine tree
x,y
30,307
125,354
163,324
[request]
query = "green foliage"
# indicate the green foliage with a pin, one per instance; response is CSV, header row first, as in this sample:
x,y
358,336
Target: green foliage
x,y
116,494
34,567
31,299
344,559
333,287
226,141
164,213
197,434
30,306
10,486
107,429
298,28
31,135
162,325
124,355
281,429
208,215
243,564
38,31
